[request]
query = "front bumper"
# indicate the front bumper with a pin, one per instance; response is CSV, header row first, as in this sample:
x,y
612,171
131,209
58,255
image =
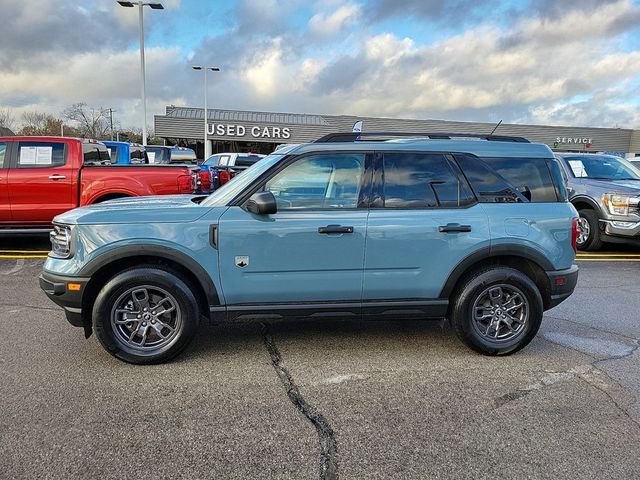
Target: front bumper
x,y
623,230
562,283
57,289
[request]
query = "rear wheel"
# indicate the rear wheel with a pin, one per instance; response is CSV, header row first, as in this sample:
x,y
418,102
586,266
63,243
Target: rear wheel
x,y
145,315
497,311
588,231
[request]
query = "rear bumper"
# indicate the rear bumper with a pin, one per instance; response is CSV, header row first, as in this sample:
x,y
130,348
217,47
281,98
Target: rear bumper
x,y
562,283
56,288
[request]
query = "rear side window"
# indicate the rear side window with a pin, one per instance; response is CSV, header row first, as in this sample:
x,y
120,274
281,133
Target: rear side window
x,y
531,177
95,153
419,180
40,154
488,185
247,161
157,154
113,151
137,153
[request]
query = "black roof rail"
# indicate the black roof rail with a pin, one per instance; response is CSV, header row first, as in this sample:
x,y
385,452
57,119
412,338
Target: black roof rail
x,y
356,136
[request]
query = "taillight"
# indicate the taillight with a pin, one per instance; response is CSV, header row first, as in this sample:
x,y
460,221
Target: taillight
x,y
574,234
224,177
185,184
205,180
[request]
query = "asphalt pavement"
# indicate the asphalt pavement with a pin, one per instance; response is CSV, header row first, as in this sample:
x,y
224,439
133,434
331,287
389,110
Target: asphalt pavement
x,y
321,398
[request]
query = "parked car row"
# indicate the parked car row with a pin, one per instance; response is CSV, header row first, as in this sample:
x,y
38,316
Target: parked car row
x,y
41,177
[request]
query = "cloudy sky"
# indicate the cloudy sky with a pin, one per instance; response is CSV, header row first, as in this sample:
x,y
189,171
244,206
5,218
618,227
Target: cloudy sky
x,y
561,62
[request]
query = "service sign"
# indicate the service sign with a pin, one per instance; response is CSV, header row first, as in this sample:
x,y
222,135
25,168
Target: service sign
x,y
230,130
574,140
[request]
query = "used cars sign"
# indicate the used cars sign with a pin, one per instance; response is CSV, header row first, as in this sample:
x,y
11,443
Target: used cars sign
x,y
230,130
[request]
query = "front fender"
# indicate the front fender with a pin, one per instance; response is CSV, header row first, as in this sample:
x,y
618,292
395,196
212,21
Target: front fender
x,y
161,250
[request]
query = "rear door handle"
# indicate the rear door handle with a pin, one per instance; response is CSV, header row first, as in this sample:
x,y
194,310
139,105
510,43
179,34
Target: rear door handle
x,y
454,227
335,229
57,177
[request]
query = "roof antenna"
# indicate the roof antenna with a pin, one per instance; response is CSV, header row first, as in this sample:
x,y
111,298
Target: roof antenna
x,y
496,127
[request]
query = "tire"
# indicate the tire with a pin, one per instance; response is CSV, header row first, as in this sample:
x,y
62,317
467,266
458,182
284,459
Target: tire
x,y
159,333
478,294
593,241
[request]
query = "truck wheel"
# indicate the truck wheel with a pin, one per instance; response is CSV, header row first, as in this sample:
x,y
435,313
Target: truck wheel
x,y
145,315
588,231
497,311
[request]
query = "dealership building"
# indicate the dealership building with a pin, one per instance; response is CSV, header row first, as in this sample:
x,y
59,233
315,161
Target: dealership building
x,y
261,132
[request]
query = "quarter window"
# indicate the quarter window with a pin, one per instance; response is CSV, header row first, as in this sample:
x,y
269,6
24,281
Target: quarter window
x,y
530,176
40,154
319,182
418,180
488,185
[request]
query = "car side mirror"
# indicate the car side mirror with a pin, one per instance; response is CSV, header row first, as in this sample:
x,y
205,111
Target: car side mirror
x,y
262,203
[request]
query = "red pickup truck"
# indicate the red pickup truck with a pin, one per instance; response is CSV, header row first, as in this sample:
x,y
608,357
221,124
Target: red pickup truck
x,y
41,177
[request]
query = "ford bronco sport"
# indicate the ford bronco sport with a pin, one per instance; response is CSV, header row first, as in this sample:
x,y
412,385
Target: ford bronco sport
x,y
476,229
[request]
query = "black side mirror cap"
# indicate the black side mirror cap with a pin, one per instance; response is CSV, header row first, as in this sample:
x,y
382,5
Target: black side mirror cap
x,y
262,203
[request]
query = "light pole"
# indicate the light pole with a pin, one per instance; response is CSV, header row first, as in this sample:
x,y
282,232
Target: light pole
x,y
141,5
207,150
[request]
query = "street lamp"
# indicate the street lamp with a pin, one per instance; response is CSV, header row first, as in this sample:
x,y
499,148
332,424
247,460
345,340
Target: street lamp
x,y
141,5
207,150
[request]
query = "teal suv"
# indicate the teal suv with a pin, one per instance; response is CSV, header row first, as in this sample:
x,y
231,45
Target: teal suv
x,y
475,229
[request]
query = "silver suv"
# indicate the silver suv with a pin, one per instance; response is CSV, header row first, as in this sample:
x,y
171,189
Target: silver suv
x,y
606,192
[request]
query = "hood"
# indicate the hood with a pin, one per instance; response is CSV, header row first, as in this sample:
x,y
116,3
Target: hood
x,y
152,209
614,186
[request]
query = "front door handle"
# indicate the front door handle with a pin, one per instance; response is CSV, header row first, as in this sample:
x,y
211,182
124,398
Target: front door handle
x,y
454,227
57,177
335,229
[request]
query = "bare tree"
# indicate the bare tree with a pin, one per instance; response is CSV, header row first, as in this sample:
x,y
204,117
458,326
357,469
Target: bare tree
x,y
90,122
7,120
40,123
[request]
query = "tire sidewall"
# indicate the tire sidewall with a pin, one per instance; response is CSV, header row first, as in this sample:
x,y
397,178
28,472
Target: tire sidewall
x,y
463,310
593,241
166,280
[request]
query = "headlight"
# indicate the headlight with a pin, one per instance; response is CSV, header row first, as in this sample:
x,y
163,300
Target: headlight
x,y
621,204
61,241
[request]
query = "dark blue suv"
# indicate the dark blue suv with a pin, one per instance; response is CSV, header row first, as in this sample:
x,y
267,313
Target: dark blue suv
x,y
476,229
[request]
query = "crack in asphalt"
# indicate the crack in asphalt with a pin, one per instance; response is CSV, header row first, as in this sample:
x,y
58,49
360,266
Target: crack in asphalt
x,y
581,372
52,309
583,325
326,437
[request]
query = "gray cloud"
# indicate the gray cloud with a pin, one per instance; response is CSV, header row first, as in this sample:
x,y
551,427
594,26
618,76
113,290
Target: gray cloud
x,y
442,10
39,28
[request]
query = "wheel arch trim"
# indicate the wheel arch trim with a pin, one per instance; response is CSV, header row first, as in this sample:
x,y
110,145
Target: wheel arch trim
x,y
588,200
158,251
487,253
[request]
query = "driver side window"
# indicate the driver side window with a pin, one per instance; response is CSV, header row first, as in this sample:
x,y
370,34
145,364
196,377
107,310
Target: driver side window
x,y
319,182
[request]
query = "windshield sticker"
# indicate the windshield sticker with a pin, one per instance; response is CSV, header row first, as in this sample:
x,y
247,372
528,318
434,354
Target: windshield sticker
x,y
44,155
152,157
28,155
578,168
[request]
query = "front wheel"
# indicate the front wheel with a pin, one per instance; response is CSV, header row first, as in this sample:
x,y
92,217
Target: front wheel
x,y
145,315
497,311
588,231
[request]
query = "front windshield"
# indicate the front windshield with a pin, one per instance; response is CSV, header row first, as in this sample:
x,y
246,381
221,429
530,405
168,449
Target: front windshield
x,y
228,191
601,167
